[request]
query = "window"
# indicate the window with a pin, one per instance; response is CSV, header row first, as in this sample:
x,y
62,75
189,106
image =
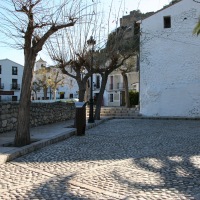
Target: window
x,y
1,84
14,98
98,82
111,97
0,69
14,70
14,84
167,22
70,96
111,83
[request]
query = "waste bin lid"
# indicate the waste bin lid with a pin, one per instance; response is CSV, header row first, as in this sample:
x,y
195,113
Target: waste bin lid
x,y
80,104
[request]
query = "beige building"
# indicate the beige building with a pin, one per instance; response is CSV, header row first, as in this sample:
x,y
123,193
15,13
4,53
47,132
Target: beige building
x,y
115,90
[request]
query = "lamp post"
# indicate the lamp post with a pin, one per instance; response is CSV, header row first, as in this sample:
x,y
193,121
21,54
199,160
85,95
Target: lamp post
x,y
91,42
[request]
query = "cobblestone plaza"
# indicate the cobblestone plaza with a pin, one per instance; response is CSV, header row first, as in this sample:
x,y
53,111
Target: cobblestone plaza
x,y
120,159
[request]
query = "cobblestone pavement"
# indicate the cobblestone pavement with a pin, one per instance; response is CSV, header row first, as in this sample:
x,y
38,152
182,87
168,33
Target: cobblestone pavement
x,y
120,159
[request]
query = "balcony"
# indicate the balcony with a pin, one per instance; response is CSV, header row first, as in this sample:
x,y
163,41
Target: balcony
x,y
15,86
96,86
1,86
120,86
116,87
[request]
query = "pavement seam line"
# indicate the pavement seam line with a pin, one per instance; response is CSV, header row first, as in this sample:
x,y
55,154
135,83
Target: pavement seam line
x,y
116,163
82,185
21,186
95,189
34,169
79,184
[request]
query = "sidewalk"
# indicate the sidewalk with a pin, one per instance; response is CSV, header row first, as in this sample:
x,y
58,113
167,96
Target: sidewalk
x,y
41,135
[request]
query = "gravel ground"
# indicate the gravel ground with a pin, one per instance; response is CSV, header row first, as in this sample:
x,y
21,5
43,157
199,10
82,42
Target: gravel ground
x,y
120,159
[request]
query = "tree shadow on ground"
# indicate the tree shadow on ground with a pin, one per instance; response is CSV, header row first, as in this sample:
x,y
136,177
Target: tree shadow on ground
x,y
171,176
162,163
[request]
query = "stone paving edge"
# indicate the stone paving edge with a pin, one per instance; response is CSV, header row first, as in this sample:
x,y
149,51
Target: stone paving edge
x,y
12,154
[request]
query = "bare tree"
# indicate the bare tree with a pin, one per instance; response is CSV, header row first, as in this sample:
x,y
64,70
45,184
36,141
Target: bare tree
x,y
35,88
117,51
130,65
30,23
111,52
70,51
114,61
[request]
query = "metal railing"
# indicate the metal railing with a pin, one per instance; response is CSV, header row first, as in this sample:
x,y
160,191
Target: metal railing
x,y
120,86
116,86
15,86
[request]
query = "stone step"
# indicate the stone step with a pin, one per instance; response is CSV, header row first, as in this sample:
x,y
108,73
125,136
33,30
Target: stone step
x,y
117,111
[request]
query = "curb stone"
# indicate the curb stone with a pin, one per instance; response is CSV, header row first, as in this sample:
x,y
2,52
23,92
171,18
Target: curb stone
x,y
12,154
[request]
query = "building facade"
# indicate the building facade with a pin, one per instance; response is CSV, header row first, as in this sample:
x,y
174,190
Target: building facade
x,y
67,90
170,62
10,80
115,91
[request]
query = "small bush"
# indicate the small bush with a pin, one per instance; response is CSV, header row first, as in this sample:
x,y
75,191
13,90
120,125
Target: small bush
x,y
134,98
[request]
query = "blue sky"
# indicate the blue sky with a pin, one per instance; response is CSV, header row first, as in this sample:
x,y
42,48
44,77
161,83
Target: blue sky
x,y
127,6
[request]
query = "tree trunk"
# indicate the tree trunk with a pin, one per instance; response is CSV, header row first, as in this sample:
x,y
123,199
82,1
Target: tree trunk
x,y
22,136
36,95
81,95
54,94
86,97
125,80
45,92
82,88
35,92
100,96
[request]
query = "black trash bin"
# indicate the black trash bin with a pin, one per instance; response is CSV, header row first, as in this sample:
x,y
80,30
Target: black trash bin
x,y
80,118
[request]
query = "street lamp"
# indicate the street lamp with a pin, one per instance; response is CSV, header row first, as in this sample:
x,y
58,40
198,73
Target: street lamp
x,y
91,42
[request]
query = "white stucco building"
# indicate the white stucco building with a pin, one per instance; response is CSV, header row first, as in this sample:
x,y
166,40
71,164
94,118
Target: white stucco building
x,y
67,90
170,62
10,80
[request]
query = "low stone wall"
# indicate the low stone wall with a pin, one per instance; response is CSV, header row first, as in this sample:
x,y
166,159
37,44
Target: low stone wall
x,y
41,114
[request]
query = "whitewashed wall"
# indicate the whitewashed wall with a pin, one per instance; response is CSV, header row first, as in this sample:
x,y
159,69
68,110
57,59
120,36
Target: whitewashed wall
x,y
70,85
170,63
6,78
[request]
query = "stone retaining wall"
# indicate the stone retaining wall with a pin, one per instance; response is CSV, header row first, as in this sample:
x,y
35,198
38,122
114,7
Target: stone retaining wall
x,y
41,114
